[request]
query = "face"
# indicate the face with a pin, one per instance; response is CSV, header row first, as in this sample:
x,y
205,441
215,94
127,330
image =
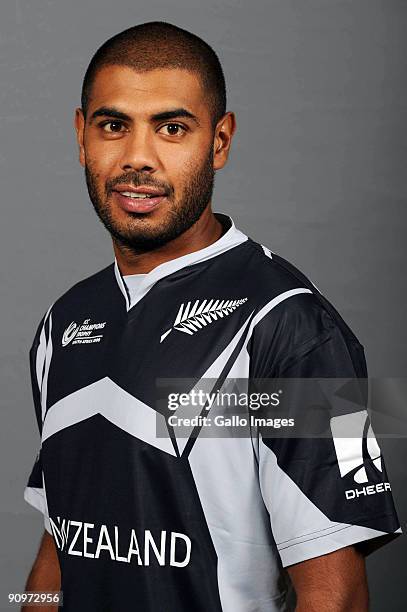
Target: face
x,y
150,152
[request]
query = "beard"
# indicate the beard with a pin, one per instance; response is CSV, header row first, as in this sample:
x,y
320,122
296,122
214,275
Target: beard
x,y
139,234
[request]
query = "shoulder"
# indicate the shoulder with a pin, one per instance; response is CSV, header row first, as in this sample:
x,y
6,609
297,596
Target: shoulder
x,y
85,290
276,273
291,299
89,286
294,318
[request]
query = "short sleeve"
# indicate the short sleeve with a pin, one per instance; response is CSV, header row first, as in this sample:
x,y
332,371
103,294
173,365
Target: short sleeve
x,y
34,493
325,493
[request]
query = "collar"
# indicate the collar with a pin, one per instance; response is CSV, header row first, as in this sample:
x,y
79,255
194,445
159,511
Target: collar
x,y
231,238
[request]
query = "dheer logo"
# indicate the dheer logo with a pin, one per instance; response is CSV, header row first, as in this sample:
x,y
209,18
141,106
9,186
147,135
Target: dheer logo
x,y
358,454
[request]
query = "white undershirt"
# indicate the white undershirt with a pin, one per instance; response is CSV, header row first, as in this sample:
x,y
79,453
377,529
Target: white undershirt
x,y
133,282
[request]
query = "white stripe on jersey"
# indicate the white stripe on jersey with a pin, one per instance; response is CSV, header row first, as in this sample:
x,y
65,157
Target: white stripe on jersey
x,y
118,406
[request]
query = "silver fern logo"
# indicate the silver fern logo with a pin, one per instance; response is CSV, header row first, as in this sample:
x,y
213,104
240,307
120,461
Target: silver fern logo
x,y
192,318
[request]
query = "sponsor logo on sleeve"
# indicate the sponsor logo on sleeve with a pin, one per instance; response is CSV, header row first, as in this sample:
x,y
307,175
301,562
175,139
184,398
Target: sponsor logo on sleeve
x,y
358,454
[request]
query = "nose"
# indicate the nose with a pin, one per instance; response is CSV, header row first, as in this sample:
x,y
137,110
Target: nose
x,y
139,153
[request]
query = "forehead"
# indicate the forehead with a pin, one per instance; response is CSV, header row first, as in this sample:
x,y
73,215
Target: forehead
x,y
147,92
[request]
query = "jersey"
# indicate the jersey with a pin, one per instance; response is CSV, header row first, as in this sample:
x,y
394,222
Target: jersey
x,y
169,523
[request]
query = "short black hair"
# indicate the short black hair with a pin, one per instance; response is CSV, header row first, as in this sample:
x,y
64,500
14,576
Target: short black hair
x,y
158,44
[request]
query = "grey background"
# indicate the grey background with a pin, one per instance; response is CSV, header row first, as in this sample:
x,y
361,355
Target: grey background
x,y
317,173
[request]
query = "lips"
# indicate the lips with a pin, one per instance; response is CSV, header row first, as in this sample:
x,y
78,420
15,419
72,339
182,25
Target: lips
x,y
140,192
138,199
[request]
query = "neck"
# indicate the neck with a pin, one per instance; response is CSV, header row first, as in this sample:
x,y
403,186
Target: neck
x,y
200,235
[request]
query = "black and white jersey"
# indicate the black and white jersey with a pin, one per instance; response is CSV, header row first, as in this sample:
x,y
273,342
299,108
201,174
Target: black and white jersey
x,y
167,523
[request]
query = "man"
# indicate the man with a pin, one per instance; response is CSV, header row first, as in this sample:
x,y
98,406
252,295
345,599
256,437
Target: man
x,y
140,521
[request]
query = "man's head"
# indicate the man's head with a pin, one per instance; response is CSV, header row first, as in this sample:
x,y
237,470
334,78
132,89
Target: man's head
x,y
153,117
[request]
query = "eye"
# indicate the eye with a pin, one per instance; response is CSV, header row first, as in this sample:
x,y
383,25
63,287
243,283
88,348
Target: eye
x,y
111,123
173,129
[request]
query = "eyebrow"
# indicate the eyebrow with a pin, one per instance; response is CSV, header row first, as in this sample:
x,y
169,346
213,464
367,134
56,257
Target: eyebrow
x,y
175,113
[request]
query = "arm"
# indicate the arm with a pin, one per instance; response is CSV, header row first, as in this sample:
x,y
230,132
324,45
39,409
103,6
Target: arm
x,y
45,573
335,582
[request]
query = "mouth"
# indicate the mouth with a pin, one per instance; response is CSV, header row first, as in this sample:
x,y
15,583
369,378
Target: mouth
x,y
140,201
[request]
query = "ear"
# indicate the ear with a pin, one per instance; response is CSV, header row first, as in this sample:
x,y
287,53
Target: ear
x,y
224,131
79,124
